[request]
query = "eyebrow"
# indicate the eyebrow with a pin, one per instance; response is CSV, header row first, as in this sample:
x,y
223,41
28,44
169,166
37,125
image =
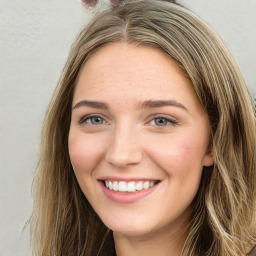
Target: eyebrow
x,y
92,104
161,103
144,104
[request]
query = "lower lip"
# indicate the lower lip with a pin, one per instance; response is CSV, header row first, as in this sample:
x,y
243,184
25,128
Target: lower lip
x,y
129,197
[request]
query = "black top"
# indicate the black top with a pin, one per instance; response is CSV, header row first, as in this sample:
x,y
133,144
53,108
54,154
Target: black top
x,y
252,252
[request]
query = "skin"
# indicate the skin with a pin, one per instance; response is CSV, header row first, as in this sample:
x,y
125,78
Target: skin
x,y
128,141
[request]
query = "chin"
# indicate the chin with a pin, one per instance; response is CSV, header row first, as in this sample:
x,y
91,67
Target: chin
x,y
132,231
133,227
145,223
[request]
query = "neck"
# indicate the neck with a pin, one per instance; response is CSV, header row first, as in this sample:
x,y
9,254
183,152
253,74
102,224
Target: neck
x,y
162,243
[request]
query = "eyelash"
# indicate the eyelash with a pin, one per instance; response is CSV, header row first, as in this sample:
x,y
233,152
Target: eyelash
x,y
167,119
88,117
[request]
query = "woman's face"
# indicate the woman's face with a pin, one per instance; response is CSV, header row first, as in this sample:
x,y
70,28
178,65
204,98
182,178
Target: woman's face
x,y
138,139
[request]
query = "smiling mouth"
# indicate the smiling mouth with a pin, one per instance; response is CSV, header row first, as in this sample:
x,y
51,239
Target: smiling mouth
x,y
130,186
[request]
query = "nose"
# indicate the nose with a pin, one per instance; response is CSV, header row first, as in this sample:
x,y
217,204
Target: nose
x,y
124,148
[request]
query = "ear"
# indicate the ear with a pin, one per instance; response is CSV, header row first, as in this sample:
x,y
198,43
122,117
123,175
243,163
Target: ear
x,y
208,158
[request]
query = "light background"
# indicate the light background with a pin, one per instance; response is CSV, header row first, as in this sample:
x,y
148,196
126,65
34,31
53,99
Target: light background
x,y
35,37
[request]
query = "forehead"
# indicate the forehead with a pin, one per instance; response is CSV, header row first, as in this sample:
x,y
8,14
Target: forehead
x,y
124,71
133,62
123,57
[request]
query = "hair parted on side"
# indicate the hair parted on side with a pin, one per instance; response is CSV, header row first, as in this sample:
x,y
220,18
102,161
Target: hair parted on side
x,y
224,209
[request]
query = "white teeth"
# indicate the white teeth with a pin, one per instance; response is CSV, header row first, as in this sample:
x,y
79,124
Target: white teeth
x,y
122,186
131,186
146,185
115,186
139,186
110,185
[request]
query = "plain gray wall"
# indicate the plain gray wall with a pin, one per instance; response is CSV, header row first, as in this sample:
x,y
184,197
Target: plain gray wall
x,y
35,37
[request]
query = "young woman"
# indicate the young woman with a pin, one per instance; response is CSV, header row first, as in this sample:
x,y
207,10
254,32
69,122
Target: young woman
x,y
148,146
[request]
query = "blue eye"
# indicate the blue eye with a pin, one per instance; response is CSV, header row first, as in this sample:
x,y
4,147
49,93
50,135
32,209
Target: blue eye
x,y
162,121
93,120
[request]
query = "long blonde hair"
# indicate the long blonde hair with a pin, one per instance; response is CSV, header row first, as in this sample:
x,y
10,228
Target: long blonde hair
x,y
223,221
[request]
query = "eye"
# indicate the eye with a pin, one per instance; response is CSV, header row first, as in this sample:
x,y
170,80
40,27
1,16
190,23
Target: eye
x,y
163,121
93,120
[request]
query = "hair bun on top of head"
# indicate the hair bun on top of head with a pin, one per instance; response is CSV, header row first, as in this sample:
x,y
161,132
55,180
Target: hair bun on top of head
x,y
114,3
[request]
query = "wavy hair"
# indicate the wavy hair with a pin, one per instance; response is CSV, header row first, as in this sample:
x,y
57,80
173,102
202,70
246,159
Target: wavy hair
x,y
224,210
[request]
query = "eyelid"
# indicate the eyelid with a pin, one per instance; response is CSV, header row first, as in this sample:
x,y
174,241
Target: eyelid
x,y
85,117
169,118
172,120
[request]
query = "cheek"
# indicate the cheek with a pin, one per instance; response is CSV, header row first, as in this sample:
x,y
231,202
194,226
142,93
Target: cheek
x,y
182,151
84,154
181,159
